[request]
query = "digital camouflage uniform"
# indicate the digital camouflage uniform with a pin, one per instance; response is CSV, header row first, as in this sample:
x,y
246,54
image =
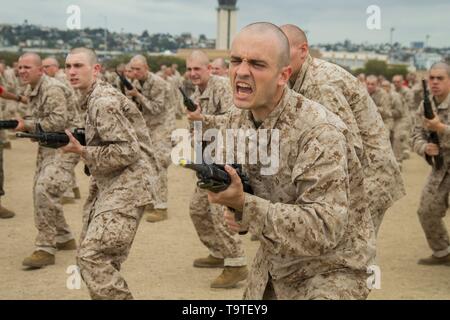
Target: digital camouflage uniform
x,y
60,76
401,128
349,99
381,99
208,218
53,108
411,106
118,155
157,110
434,200
316,234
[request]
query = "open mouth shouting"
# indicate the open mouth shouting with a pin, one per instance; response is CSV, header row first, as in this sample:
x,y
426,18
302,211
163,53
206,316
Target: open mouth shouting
x,y
243,90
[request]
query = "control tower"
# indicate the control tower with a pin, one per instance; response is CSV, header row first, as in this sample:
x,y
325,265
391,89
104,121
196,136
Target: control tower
x,y
226,23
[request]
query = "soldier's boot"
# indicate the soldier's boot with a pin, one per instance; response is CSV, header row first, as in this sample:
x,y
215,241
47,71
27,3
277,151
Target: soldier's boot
x,y
68,245
208,262
157,215
39,259
5,213
230,277
432,260
76,193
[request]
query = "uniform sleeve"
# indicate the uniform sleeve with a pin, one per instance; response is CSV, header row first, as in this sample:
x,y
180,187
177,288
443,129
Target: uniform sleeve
x,y
119,147
225,98
384,107
315,224
419,134
55,112
397,108
155,100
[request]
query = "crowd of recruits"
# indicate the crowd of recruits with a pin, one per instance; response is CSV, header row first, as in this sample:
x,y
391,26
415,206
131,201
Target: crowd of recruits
x,y
316,218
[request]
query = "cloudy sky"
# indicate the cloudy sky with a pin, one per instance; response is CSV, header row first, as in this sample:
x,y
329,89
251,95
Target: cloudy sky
x,y
327,21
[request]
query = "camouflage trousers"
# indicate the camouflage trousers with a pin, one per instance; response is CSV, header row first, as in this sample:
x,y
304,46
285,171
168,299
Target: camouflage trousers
x,y
2,191
105,242
338,285
50,182
210,225
162,154
432,210
400,136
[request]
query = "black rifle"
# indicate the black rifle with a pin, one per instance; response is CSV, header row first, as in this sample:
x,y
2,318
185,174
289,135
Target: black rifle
x,y
213,177
188,103
125,81
8,124
53,139
435,161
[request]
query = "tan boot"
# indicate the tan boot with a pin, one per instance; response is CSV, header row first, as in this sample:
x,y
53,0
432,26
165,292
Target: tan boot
x,y
208,262
230,277
39,259
68,245
5,213
76,193
432,260
157,215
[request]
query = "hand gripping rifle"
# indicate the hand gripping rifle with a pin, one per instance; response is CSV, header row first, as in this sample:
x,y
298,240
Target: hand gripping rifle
x,y
124,81
53,139
213,177
435,161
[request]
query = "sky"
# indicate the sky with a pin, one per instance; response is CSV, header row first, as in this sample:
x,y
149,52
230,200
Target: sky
x,y
326,21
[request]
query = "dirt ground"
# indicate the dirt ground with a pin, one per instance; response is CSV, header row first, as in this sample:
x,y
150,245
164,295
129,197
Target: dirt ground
x,y
160,262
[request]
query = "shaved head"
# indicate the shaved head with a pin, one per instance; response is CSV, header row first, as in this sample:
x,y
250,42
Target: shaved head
x,y
295,35
441,65
372,78
139,67
139,59
199,56
271,32
220,62
51,60
30,68
34,57
90,54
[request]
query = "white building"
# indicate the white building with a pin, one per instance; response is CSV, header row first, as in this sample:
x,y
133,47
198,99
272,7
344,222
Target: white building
x,y
352,60
424,61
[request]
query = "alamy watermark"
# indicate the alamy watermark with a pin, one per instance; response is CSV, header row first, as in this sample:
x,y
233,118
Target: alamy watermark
x,y
374,280
73,22
73,281
239,146
373,21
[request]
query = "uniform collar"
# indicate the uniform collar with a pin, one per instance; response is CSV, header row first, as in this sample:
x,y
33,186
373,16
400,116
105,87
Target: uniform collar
x,y
302,74
272,119
36,89
444,104
86,97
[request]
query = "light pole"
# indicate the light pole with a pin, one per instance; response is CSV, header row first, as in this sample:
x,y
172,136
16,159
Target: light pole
x,y
427,39
106,32
392,42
